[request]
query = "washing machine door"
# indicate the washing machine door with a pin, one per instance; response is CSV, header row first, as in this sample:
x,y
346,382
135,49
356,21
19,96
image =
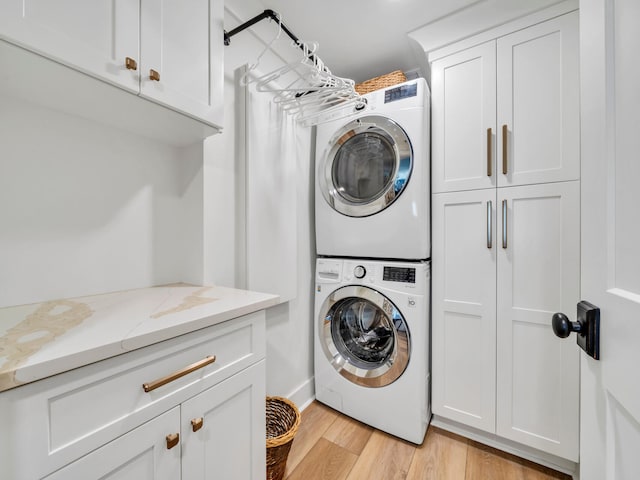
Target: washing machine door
x,y
364,336
366,166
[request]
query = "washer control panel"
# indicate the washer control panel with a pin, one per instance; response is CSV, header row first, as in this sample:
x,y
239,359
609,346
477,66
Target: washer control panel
x,y
399,274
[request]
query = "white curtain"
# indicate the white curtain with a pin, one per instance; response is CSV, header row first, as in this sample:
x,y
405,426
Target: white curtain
x,y
273,145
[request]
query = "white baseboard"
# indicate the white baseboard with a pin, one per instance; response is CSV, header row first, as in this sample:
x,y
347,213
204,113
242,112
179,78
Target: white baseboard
x,y
536,456
303,394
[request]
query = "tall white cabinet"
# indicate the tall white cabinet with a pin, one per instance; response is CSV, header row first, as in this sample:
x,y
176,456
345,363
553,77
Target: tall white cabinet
x,y
505,213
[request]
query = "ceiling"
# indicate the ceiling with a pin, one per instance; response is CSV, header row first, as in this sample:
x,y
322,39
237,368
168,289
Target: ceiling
x,y
361,39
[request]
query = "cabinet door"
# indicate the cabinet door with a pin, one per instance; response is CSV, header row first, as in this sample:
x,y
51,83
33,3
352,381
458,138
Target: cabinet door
x,y
463,321
92,36
141,454
231,441
464,119
182,41
538,103
538,274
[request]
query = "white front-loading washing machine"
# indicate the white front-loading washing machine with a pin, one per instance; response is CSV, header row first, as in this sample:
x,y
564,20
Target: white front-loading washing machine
x,y
371,355
373,177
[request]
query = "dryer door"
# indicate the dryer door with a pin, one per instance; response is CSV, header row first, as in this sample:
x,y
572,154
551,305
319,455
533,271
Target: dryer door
x,y
366,166
364,336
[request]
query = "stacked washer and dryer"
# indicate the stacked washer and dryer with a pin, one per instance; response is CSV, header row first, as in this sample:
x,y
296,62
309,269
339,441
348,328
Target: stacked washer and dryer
x,y
372,308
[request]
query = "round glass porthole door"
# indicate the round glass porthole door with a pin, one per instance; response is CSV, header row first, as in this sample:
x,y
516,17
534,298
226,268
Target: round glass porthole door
x,y
364,336
366,167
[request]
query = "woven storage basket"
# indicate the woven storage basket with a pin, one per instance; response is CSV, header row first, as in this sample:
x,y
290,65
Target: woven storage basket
x,y
283,420
382,81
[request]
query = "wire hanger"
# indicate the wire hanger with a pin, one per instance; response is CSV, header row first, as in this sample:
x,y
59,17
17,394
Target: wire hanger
x,y
309,86
244,79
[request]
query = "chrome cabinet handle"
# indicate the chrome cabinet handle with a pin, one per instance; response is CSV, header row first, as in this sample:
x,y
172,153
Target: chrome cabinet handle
x,y
489,239
504,224
489,140
148,387
505,133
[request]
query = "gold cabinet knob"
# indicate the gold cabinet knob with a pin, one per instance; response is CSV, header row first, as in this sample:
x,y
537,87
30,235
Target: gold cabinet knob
x,y
197,423
130,63
153,75
172,440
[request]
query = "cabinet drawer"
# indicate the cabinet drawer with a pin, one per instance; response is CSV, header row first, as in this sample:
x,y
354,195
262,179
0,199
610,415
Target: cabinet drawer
x,y
66,416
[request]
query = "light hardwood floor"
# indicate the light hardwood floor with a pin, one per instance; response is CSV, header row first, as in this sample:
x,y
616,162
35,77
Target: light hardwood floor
x,y
331,446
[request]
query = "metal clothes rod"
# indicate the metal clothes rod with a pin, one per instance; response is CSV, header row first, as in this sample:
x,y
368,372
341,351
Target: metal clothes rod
x,y
273,16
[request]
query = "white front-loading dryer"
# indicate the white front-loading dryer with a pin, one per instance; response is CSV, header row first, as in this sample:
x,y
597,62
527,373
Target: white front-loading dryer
x,y
373,177
371,341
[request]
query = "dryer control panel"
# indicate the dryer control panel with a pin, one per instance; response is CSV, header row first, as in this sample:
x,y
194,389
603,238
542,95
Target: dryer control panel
x,y
398,93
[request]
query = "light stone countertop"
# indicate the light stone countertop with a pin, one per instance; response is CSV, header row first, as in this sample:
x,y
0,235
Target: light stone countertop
x,y
44,339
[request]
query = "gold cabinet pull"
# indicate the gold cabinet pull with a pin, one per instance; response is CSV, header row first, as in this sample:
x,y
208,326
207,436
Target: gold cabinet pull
x,y
148,387
489,162
130,63
196,423
154,75
172,440
505,133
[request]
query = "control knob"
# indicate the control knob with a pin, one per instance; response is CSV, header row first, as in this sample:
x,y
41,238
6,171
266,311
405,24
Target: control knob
x,y
359,271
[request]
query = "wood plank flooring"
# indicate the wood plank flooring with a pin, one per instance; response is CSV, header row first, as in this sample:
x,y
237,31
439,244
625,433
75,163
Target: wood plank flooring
x,y
331,446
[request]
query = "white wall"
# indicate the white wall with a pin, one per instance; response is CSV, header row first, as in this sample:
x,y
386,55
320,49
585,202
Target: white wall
x,y
86,208
289,331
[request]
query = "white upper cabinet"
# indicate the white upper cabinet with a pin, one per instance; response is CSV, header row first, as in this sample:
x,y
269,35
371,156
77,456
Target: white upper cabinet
x,y
506,112
464,106
168,51
94,37
538,103
181,56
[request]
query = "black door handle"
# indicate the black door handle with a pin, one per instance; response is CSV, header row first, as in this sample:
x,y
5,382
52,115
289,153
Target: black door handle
x,y
587,327
563,327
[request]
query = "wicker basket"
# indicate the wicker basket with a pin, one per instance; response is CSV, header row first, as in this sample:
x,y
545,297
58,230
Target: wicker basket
x,y
283,420
382,81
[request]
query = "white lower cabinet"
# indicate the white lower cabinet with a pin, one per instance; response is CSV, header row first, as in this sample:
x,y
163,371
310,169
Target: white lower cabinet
x,y
504,260
464,307
217,434
99,422
141,454
538,274
229,437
